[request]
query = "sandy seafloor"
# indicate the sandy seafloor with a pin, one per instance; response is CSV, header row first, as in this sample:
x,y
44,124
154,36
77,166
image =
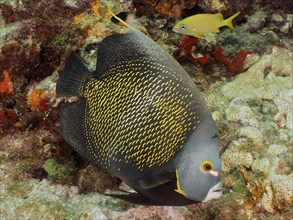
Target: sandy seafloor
x,y
248,87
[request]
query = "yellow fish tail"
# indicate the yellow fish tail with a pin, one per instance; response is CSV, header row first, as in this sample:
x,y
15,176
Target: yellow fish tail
x,y
228,21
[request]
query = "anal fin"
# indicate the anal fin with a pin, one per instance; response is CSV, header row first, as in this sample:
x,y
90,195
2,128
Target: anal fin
x,y
135,198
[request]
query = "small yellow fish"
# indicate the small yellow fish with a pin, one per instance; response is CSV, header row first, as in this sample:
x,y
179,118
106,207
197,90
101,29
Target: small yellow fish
x,y
201,24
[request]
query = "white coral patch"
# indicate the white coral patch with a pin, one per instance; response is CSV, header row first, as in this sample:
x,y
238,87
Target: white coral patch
x,y
261,165
283,188
276,149
253,134
231,158
242,114
267,200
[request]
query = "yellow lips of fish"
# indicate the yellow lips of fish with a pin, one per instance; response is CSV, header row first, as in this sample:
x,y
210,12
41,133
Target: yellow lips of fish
x,y
201,24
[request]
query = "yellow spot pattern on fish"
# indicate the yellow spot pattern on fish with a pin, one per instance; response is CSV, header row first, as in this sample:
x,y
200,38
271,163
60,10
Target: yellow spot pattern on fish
x,y
136,116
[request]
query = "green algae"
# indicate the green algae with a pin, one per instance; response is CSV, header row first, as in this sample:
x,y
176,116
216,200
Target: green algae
x,y
226,207
62,40
246,36
44,200
239,39
57,170
118,205
18,189
86,21
38,210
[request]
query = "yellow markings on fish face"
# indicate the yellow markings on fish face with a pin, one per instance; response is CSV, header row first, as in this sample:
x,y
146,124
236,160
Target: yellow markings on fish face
x,y
179,190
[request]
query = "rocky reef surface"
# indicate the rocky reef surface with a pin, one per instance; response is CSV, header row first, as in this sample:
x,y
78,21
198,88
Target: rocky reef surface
x,y
245,75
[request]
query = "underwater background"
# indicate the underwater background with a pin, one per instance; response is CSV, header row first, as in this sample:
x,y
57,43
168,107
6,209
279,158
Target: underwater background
x,y
245,76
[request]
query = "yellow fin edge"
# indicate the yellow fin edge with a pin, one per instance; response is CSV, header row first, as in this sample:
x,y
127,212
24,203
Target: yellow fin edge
x,y
179,190
119,19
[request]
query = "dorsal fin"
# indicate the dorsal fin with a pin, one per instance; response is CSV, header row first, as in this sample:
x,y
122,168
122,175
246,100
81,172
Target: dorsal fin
x,y
122,21
219,16
72,76
135,45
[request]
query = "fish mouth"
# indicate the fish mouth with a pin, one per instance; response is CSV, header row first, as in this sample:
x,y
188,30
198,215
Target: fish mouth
x,y
214,192
175,30
218,188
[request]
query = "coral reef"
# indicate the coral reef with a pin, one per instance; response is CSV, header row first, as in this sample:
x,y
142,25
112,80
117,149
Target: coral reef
x,y
236,64
42,177
171,8
41,95
6,85
56,170
187,45
251,103
225,6
238,49
89,179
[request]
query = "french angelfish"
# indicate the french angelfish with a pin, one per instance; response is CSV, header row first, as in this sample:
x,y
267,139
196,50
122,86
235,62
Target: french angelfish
x,y
141,118
202,24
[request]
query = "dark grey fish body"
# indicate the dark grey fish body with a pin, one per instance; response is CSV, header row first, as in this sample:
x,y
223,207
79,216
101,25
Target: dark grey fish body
x,y
136,118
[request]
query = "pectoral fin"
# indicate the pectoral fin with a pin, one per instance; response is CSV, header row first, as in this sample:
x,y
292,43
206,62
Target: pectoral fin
x,y
155,181
197,34
217,30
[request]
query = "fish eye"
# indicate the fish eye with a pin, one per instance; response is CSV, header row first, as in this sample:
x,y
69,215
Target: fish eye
x,y
182,26
207,166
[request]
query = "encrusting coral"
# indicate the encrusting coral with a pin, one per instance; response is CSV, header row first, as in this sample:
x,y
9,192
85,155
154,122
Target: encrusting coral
x,y
42,95
251,103
6,85
234,66
171,8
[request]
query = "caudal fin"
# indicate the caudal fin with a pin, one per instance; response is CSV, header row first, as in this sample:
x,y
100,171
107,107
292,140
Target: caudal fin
x,y
70,79
228,21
